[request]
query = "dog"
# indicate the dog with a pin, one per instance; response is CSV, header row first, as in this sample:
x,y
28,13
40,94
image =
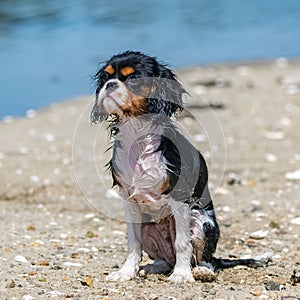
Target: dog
x,y
162,176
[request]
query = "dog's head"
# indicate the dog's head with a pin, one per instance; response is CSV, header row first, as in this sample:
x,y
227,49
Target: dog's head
x,y
131,84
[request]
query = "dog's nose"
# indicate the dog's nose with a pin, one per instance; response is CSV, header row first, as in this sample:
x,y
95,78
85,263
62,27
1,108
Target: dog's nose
x,y
111,86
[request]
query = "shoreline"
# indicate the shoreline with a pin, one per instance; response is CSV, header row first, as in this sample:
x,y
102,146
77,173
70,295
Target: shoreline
x,y
57,242
217,65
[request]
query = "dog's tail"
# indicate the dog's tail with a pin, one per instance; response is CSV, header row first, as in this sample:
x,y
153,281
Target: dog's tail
x,y
257,261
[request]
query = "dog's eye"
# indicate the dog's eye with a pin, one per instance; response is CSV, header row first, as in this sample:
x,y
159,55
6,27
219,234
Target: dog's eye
x,y
133,80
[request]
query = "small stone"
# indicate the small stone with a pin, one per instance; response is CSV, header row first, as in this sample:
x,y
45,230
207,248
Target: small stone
x,y
72,264
43,263
28,297
11,285
296,221
285,121
89,216
63,236
271,157
274,225
91,234
272,286
32,273
274,135
200,138
34,178
292,89
19,171
87,281
24,150
226,209
49,137
212,292
42,279
293,175
260,234
21,259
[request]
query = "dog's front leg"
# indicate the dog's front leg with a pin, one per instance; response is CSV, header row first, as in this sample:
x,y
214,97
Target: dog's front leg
x,y
183,246
131,266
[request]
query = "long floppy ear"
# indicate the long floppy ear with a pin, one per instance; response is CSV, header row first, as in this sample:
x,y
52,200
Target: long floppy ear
x,y
166,97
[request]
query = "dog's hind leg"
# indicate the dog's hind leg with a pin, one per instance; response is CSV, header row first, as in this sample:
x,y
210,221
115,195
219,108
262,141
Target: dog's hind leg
x,y
183,247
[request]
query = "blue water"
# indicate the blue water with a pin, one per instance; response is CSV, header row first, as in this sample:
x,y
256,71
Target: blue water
x,y
50,49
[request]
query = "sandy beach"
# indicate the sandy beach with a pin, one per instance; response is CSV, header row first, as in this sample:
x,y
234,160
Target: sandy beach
x,y
62,228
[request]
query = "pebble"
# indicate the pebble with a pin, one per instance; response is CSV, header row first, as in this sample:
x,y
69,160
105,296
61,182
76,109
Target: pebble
x,y
260,234
84,250
200,138
55,294
285,121
293,175
271,157
292,89
19,171
63,236
49,137
296,221
212,292
89,216
24,150
226,208
27,297
272,286
255,202
72,264
273,135
21,259
34,178
11,285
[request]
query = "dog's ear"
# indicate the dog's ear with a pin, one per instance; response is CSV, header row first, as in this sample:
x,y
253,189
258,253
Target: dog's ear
x,y
167,92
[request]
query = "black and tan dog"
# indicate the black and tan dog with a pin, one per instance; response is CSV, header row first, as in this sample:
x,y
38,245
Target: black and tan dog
x,y
163,178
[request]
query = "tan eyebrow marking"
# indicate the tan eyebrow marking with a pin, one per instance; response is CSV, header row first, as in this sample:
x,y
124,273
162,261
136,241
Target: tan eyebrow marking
x,y
127,71
110,70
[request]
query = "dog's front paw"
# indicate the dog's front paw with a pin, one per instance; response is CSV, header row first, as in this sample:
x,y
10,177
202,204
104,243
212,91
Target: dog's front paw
x,y
124,274
181,276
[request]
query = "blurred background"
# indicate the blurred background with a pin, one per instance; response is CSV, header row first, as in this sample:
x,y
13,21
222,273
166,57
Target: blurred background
x,y
50,49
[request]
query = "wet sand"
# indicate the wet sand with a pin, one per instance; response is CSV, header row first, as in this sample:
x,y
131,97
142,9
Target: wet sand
x,y
62,230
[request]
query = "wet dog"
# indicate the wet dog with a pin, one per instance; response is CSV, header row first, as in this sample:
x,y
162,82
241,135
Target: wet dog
x,y
162,176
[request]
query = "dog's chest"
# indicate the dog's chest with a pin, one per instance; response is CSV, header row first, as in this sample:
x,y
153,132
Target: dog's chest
x,y
137,163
